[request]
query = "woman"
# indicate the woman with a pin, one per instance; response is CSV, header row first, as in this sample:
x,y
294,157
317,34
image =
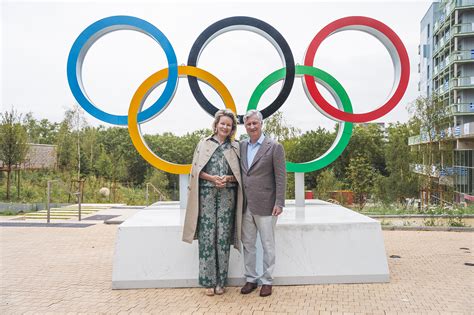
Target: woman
x,y
214,208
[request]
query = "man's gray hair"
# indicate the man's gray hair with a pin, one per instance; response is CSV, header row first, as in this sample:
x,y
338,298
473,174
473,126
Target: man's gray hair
x,y
253,112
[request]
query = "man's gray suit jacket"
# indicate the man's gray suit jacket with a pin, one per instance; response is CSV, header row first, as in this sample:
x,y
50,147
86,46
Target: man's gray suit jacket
x,y
265,180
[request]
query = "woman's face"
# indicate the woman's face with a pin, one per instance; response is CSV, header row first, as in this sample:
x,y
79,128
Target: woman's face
x,y
224,126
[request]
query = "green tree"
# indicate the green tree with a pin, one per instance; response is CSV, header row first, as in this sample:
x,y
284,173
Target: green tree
x,y
277,128
116,144
367,141
361,177
65,147
90,149
327,182
160,182
42,132
103,166
76,121
308,147
429,115
401,182
13,147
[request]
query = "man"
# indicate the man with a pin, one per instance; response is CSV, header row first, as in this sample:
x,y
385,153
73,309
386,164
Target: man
x,y
264,183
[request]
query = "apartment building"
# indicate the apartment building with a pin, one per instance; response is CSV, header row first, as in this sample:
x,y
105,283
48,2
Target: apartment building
x,y
446,70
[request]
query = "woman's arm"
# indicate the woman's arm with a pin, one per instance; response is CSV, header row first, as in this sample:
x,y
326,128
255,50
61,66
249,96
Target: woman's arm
x,y
217,180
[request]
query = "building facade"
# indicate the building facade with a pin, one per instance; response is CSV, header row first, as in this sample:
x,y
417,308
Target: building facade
x,y
38,156
446,71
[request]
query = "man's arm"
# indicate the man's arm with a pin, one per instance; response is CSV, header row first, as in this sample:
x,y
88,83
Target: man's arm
x,y
279,169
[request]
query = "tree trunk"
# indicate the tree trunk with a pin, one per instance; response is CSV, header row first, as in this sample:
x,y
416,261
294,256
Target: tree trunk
x,y
8,183
18,183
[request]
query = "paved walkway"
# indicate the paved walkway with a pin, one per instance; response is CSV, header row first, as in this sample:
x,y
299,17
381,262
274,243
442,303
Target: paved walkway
x,y
61,270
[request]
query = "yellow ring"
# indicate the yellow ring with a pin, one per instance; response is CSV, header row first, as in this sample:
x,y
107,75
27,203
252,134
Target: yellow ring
x,y
139,98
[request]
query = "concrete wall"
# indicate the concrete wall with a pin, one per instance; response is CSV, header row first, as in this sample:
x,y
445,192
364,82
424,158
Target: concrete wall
x,y
426,51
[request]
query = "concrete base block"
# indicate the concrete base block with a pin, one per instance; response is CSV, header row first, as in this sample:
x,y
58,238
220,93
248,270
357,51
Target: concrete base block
x,y
320,243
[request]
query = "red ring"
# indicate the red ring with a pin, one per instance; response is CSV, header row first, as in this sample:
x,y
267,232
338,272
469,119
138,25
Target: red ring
x,y
327,31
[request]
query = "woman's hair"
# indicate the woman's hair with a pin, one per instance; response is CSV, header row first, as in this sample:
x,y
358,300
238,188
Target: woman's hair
x,y
217,117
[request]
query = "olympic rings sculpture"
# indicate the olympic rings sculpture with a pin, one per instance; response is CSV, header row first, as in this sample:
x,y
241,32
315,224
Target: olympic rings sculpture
x,y
309,75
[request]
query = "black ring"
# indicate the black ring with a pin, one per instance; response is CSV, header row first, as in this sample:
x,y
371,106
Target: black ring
x,y
271,32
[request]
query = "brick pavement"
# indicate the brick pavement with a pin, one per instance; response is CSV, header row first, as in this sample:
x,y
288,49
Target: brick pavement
x,y
61,270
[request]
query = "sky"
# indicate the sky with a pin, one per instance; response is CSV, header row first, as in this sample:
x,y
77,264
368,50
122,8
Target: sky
x,y
36,38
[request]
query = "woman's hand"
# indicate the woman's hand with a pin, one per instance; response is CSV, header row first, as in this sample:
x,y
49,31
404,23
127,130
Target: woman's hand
x,y
230,179
219,181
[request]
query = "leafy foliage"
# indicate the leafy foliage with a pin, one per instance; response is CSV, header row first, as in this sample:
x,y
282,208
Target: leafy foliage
x,y
13,147
374,163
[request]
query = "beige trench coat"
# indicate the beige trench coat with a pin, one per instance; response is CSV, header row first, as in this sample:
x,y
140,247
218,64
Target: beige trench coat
x,y
202,155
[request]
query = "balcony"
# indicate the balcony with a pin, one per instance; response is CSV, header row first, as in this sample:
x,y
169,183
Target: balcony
x,y
461,109
438,46
439,23
463,28
433,170
463,55
442,66
464,3
414,140
461,131
464,131
443,88
462,82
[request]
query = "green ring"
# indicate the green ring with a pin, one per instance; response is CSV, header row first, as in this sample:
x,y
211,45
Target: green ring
x,y
342,99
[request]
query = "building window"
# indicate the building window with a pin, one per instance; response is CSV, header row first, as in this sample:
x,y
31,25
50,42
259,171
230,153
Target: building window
x,y
428,72
463,172
428,31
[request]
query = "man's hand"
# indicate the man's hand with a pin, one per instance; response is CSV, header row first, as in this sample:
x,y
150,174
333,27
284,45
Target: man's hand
x,y
277,211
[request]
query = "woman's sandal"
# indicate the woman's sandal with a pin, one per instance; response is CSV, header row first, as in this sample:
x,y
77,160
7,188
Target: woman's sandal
x,y
220,290
209,291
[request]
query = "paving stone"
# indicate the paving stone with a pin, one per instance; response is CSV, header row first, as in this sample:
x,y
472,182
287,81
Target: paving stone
x,y
64,270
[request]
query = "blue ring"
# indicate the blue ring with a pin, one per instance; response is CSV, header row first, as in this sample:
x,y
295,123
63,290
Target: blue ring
x,y
88,37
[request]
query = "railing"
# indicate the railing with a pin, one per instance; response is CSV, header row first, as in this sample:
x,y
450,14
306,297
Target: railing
x,y
63,185
462,82
442,64
443,88
462,55
463,28
442,41
447,60
464,3
465,130
461,108
432,170
448,8
414,140
147,193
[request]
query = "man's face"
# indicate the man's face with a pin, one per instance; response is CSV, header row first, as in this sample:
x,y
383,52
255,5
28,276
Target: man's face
x,y
253,125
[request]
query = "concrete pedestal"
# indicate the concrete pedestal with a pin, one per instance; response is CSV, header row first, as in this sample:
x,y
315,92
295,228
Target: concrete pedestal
x,y
320,243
